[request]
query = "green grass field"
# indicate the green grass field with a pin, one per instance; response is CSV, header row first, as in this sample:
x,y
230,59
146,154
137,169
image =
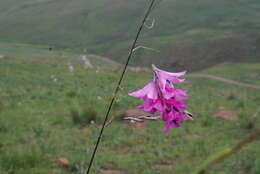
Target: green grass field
x,y
42,120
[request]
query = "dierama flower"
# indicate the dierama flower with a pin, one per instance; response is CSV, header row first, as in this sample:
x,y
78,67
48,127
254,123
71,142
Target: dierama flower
x,y
162,97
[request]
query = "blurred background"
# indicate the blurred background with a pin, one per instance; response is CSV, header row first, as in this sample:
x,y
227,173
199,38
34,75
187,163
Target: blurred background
x,y
60,61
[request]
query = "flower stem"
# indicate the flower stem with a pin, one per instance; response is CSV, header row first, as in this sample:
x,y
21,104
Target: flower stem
x,y
225,153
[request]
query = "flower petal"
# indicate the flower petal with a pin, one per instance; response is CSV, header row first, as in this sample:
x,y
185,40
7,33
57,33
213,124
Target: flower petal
x,y
152,106
178,74
149,91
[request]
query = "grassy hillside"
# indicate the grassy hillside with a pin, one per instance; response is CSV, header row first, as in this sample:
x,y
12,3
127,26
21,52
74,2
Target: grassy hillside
x,y
42,120
186,31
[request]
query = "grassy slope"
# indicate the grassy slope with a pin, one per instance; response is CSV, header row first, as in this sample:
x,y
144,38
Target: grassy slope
x,y
182,28
249,73
36,125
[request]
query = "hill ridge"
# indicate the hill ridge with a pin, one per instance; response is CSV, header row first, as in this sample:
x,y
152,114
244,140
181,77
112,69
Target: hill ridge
x,y
203,31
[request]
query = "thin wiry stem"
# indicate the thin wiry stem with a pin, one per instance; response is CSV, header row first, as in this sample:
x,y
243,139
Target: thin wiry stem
x,y
119,83
225,153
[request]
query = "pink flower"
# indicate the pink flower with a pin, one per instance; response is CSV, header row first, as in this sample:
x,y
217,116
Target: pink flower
x,y
160,96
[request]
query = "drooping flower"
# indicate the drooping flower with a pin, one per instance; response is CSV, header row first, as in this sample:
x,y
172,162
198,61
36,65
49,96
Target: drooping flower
x,y
161,96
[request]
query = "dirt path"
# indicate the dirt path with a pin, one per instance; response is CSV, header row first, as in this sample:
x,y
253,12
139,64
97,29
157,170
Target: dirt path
x,y
105,59
241,84
221,79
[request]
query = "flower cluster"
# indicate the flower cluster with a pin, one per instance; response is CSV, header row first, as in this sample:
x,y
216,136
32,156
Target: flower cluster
x,y
162,97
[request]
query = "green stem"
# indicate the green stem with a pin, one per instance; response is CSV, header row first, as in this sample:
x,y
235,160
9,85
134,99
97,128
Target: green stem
x,y
225,153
